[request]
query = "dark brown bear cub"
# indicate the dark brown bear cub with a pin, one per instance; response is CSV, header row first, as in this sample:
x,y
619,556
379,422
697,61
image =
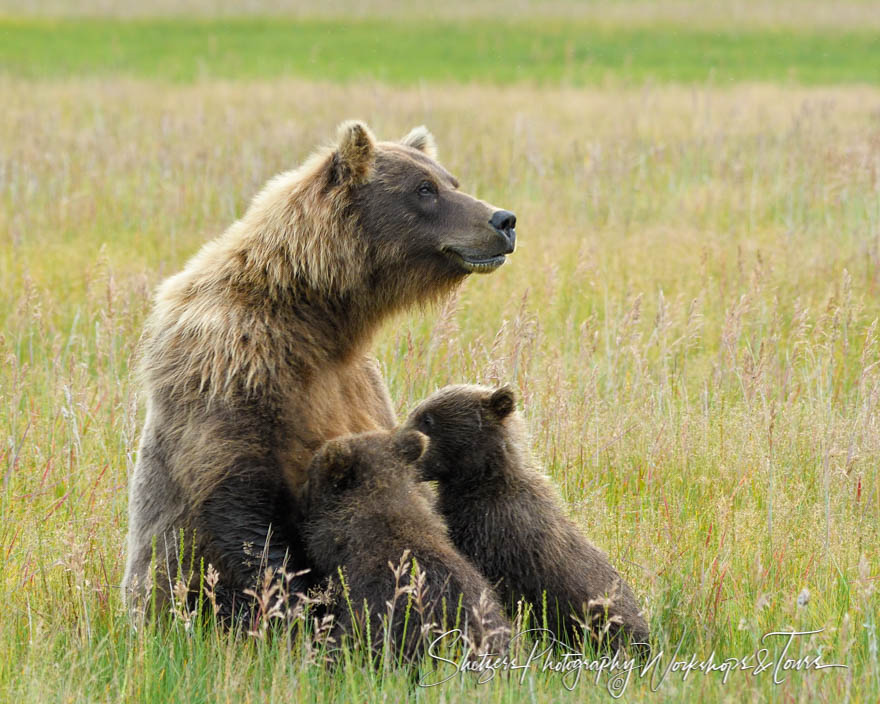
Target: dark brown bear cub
x,y
507,517
365,510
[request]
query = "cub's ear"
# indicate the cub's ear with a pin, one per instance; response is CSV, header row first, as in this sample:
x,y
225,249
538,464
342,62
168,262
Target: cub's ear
x,y
333,466
410,444
502,402
420,138
354,155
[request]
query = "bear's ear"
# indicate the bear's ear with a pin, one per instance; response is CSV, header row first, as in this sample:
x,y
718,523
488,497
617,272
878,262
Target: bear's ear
x,y
354,154
334,466
420,138
410,444
501,403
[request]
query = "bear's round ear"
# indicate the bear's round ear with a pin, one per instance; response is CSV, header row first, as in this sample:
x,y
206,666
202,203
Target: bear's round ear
x,y
333,465
354,154
420,138
410,444
502,402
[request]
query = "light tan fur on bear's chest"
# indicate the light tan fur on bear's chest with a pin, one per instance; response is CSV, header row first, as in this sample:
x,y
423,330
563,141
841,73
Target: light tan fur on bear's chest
x,y
348,399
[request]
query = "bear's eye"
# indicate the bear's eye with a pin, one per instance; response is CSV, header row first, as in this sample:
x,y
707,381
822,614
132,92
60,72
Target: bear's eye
x,y
427,421
427,188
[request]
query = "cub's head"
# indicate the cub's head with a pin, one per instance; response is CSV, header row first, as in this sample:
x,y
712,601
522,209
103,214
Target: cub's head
x,y
467,425
362,464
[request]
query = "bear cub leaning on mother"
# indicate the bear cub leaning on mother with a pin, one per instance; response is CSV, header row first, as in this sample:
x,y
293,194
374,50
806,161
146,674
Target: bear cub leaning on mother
x,y
258,352
366,511
506,516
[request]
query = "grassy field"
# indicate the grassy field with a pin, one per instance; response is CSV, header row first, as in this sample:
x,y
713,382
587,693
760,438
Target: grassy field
x,y
690,323
819,15
409,51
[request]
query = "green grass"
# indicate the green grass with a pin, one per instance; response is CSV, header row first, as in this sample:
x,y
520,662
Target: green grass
x,y
412,51
689,322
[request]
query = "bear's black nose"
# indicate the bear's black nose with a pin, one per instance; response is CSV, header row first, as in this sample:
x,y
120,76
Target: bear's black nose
x,y
504,221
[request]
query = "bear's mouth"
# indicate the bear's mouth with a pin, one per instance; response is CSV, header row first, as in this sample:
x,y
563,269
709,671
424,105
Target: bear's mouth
x,y
476,265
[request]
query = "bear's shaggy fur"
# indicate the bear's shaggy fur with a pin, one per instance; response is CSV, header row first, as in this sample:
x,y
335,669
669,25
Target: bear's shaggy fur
x,y
257,352
365,511
507,517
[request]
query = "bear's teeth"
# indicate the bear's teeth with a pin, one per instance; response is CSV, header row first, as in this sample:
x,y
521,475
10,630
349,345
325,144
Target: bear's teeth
x,y
483,267
477,267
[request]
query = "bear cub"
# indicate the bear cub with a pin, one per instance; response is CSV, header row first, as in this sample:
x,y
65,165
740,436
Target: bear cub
x,y
366,509
509,520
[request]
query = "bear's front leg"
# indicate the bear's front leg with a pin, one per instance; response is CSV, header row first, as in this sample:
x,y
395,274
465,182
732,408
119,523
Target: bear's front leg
x,y
248,524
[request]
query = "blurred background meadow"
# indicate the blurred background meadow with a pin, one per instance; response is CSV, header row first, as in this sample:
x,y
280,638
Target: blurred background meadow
x,y
690,319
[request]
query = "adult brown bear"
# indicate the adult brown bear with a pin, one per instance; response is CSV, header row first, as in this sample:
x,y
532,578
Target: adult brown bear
x,y
257,352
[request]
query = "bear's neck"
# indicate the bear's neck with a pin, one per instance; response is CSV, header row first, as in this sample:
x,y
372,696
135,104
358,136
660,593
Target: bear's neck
x,y
308,319
504,472
323,327
326,328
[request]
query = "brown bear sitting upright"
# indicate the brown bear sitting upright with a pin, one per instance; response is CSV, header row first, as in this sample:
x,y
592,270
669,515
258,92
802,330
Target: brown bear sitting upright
x,y
508,518
258,351
365,510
